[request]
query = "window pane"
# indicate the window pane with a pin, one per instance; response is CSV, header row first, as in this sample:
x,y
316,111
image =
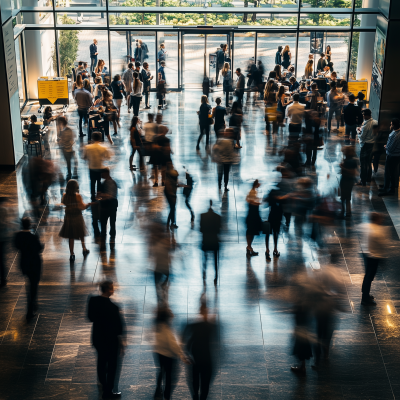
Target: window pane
x,y
325,19
252,19
170,41
243,50
81,18
193,59
132,19
267,46
43,18
327,4
92,3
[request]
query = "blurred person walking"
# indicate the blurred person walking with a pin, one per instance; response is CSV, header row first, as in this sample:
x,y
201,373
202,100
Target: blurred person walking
x,y
107,338
227,82
95,154
352,118
253,219
127,78
278,56
349,170
66,142
367,136
210,227
162,54
171,186
274,201
205,117
235,122
108,207
200,338
136,140
240,85
187,191
218,113
225,155
118,91
221,57
167,350
335,101
30,262
295,114
392,160
146,79
74,227
84,101
375,239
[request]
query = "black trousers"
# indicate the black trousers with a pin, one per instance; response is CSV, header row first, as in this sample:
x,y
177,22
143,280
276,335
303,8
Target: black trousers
x,y
205,258
107,363
204,130
187,199
371,266
95,177
83,114
141,159
166,367
294,132
201,376
365,161
240,95
68,157
325,329
108,212
172,208
146,98
391,173
136,104
227,98
31,293
223,169
311,154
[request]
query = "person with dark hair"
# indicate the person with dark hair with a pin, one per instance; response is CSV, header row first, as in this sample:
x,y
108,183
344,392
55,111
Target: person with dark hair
x,y
107,338
295,114
235,122
166,349
204,121
375,242
367,136
200,338
312,97
171,186
275,220
146,79
210,227
218,114
108,207
321,63
335,102
93,55
136,143
66,142
127,78
392,160
118,91
74,227
84,101
253,219
360,100
221,57
294,85
352,118
240,84
286,57
30,248
272,75
348,169
136,93
278,56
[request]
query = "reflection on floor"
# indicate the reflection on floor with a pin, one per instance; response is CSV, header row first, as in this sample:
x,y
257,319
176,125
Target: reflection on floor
x,y
52,357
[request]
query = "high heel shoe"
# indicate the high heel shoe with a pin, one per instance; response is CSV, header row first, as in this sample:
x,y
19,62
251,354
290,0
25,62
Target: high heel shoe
x,y
276,253
251,253
85,252
267,256
72,257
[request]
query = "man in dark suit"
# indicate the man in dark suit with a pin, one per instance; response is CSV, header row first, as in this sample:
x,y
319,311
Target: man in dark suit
x,y
30,262
239,86
200,338
210,226
108,327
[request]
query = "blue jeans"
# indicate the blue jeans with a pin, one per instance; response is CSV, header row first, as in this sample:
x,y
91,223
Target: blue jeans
x,y
93,63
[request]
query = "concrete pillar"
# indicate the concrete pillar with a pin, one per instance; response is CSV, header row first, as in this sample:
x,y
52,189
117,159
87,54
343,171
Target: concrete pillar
x,y
33,50
366,44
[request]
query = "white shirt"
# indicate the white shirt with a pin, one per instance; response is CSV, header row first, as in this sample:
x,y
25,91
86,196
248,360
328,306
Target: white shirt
x,y
138,91
295,112
149,131
375,240
166,342
96,154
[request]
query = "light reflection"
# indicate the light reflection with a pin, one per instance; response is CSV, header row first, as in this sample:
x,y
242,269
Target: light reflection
x,y
389,310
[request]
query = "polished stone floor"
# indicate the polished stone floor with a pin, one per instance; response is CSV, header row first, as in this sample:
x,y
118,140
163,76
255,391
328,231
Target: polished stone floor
x,y
52,357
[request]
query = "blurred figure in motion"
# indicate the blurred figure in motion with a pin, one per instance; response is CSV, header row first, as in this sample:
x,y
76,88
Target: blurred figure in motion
x,y
235,122
253,220
107,338
219,113
171,186
210,226
348,168
200,338
187,191
376,243
166,349
30,262
4,221
108,207
285,187
304,199
224,155
136,143
160,251
74,227
66,140
275,219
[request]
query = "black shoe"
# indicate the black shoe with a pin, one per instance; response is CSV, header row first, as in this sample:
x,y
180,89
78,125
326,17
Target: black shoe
x,y
251,253
267,256
85,252
371,297
30,316
226,189
155,185
197,147
368,302
112,395
386,193
72,257
298,370
147,108
82,135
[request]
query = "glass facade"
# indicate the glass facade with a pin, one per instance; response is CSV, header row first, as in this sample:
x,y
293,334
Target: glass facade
x,y
191,31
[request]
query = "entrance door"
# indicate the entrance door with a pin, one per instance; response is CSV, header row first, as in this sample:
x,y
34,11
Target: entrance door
x,y
197,52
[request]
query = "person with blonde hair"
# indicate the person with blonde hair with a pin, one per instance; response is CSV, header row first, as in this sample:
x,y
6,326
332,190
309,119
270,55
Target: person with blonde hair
x,y
309,71
286,57
227,82
74,227
98,71
204,120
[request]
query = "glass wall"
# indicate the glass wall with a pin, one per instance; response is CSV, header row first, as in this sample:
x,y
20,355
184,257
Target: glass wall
x,y
243,51
20,70
170,42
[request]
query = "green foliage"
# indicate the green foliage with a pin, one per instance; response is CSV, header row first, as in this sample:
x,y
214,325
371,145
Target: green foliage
x,y
68,43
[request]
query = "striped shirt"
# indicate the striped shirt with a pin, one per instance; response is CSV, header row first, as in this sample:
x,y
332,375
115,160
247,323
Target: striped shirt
x,y
393,144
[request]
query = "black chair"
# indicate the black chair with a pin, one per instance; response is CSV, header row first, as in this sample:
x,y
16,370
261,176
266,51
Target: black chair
x,y
34,140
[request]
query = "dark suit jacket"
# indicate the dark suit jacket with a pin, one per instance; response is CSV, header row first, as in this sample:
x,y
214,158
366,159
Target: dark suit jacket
x,y
107,321
145,79
30,248
210,227
321,64
240,84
